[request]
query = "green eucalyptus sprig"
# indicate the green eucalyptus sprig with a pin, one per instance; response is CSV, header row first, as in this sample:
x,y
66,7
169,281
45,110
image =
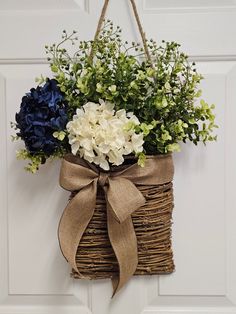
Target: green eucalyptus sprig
x,y
162,95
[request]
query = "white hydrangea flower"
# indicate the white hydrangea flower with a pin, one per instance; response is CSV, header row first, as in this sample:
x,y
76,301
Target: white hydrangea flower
x,y
100,135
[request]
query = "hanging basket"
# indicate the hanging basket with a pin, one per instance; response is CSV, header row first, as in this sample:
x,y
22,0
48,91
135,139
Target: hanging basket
x,y
118,222
95,257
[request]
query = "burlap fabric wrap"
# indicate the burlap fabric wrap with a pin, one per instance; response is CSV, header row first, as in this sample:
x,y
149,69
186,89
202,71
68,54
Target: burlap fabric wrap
x,y
122,199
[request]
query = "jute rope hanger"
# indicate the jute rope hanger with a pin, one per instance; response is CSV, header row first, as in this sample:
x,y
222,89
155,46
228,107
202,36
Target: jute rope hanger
x,y
140,28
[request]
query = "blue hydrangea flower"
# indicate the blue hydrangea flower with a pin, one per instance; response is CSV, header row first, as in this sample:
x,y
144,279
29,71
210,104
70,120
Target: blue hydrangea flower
x,y
42,112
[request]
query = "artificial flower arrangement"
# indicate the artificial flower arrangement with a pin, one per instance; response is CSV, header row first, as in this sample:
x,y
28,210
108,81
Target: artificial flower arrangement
x,y
114,103
105,104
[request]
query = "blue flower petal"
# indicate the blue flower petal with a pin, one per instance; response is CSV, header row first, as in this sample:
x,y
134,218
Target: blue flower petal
x,y
42,112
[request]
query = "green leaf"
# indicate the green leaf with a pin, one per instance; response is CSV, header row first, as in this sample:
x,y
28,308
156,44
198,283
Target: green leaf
x,y
54,68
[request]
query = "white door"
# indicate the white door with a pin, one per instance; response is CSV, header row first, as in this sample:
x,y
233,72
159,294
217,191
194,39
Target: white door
x,y
34,277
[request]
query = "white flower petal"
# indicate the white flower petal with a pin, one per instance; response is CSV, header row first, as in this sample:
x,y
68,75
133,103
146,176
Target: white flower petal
x,y
104,165
99,134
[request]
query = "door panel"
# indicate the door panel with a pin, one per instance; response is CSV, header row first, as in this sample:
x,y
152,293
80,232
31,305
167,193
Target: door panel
x,y
34,277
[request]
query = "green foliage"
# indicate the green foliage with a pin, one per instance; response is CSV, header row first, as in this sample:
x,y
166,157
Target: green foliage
x,y
35,161
162,94
141,159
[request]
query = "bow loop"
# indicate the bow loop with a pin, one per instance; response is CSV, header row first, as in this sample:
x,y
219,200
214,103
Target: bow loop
x,y
75,173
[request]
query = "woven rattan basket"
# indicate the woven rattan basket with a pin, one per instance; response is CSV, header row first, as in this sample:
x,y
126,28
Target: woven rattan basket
x,y
95,258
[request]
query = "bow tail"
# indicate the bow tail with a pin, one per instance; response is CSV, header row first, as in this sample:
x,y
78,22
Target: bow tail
x,y
124,243
74,221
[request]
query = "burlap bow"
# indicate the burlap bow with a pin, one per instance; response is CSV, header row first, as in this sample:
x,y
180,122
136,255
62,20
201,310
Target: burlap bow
x,y
122,199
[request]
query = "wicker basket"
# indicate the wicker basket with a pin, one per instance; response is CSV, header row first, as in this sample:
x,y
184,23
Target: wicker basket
x,y
95,258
